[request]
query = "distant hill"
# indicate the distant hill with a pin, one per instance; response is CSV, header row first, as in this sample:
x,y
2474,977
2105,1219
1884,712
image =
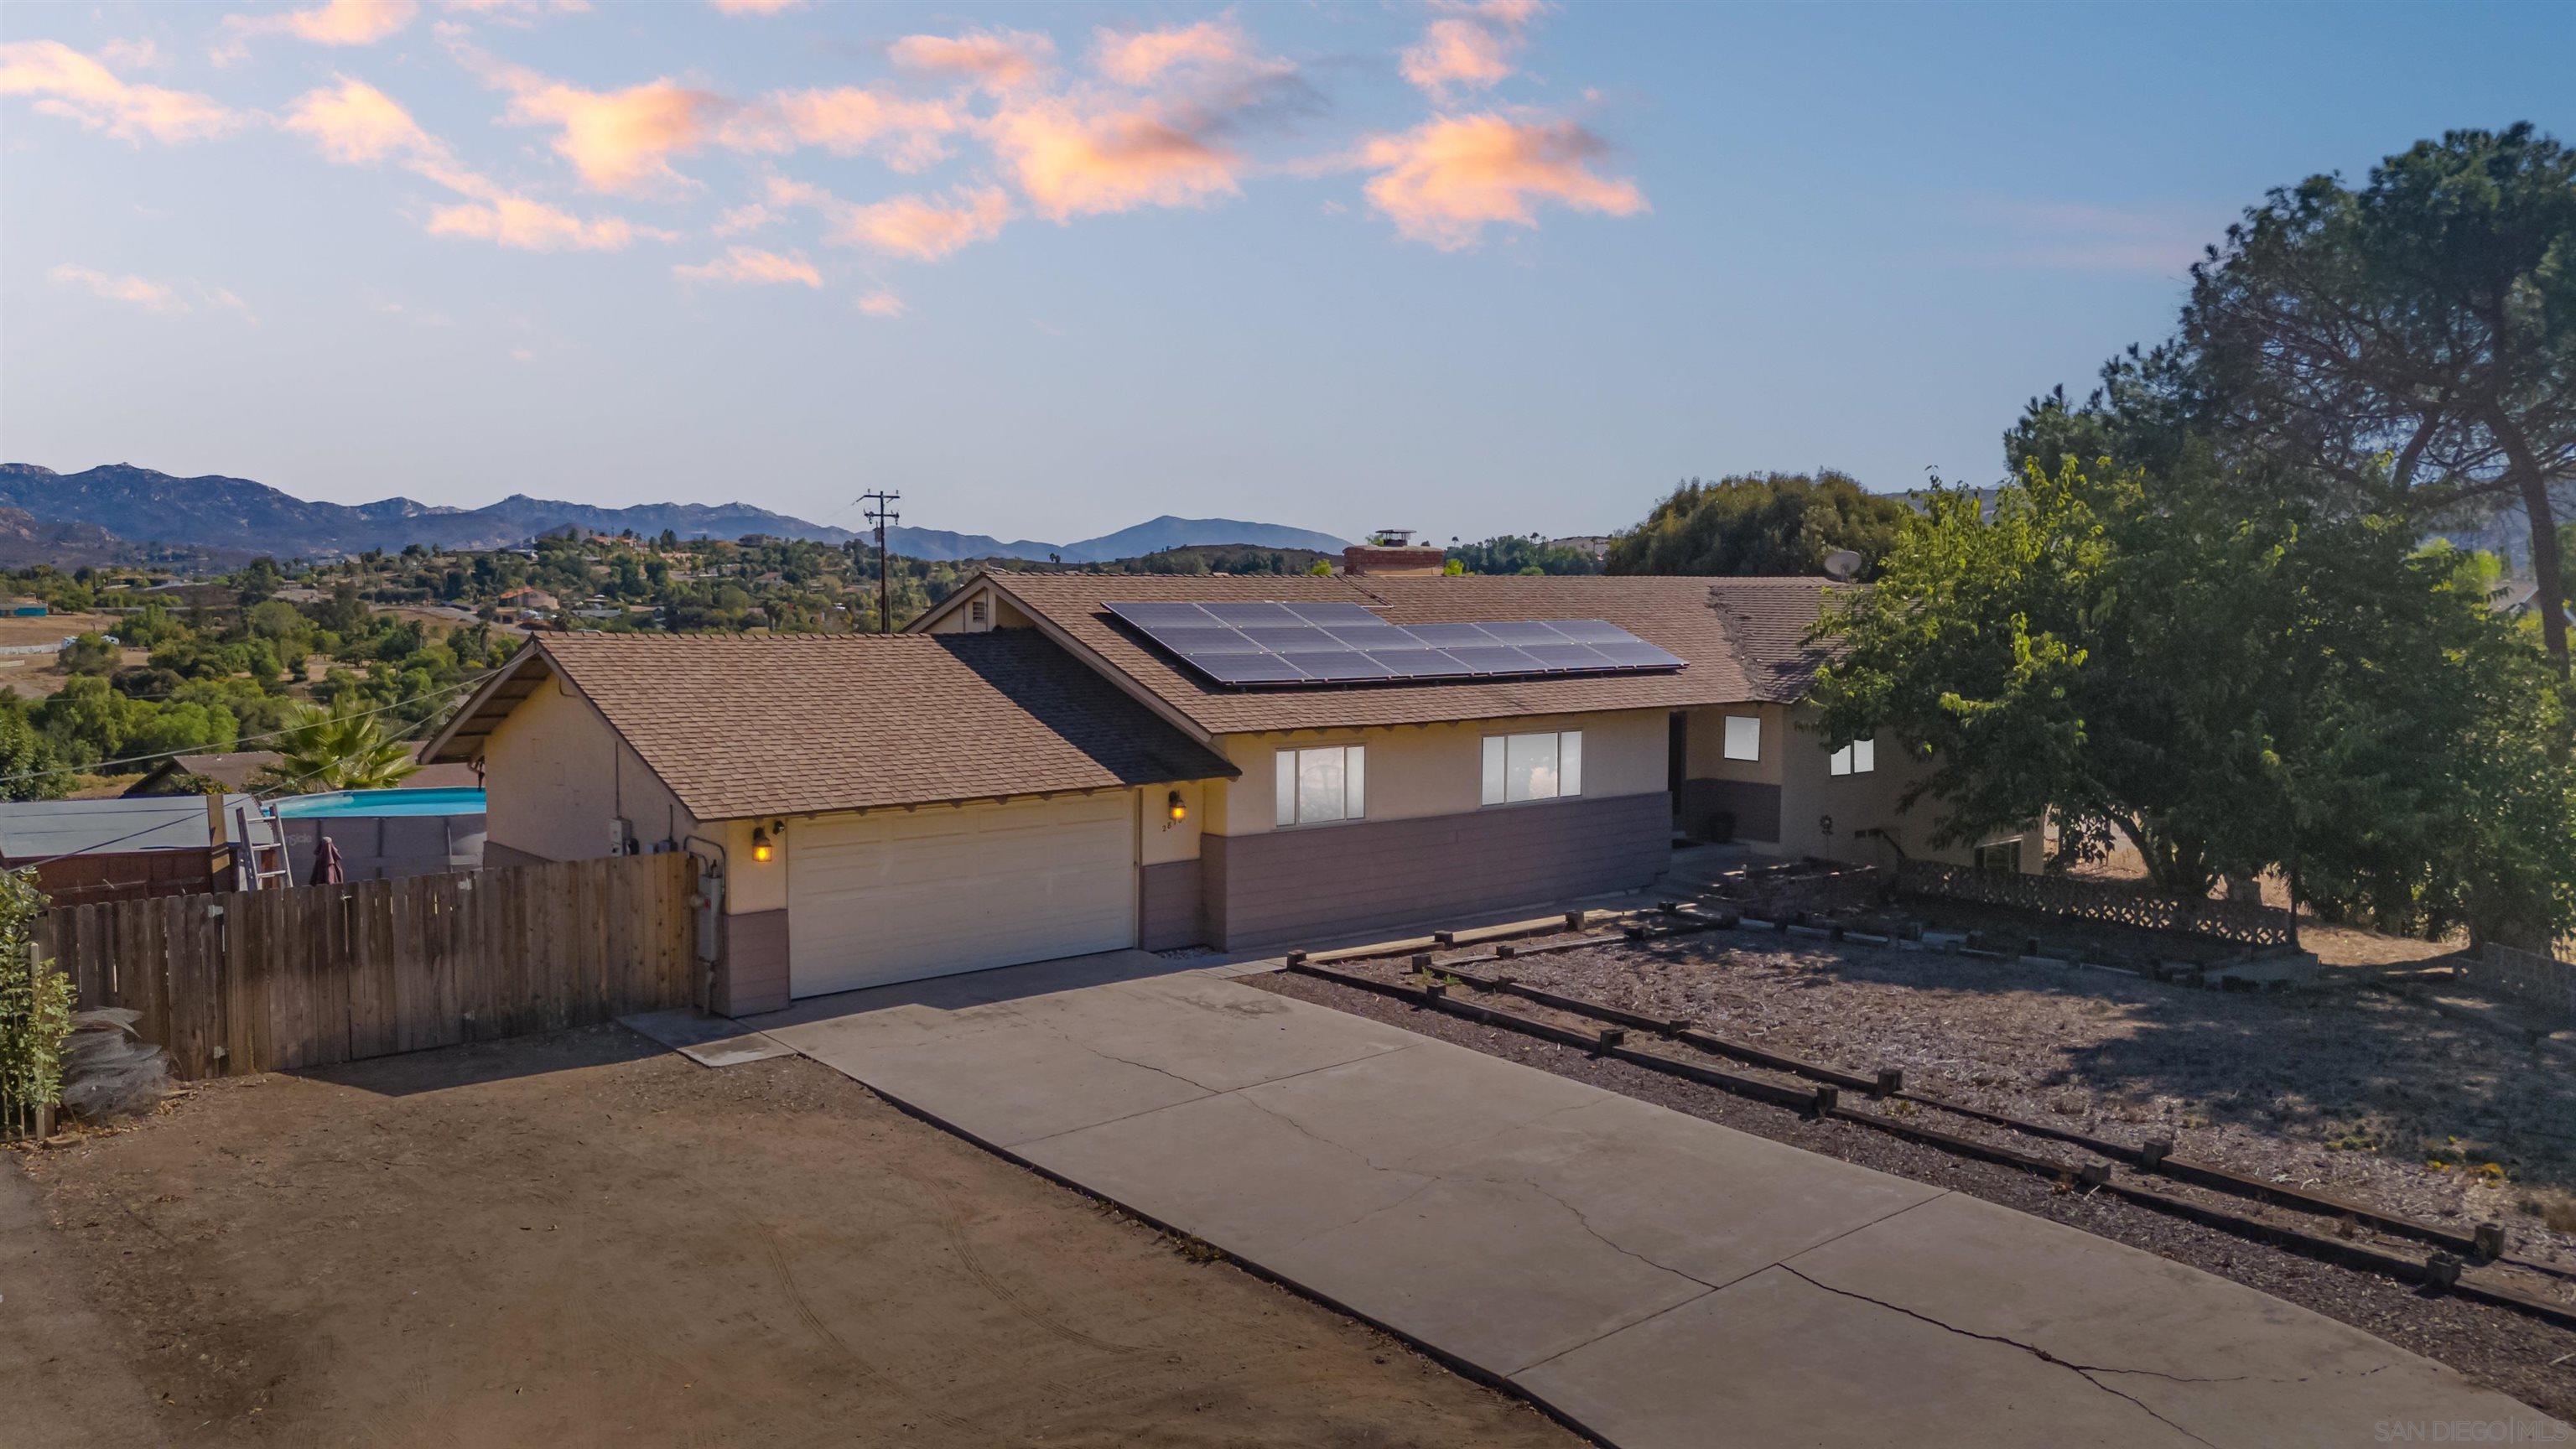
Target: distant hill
x,y
238,514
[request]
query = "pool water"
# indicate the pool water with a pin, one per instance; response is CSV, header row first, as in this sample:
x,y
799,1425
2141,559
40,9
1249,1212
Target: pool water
x,y
382,802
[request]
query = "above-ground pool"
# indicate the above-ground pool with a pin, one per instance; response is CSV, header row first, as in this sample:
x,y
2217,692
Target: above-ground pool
x,y
382,802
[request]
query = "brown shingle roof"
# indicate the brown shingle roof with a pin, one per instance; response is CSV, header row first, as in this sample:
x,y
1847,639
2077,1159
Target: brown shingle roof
x,y
742,726
1674,612
1769,620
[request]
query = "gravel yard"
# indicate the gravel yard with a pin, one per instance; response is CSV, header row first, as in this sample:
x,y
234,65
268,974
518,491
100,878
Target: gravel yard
x,y
2348,1091
2501,1349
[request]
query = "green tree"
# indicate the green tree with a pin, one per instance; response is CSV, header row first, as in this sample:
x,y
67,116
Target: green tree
x,y
2235,690
337,749
1517,554
2409,345
29,768
86,654
1761,523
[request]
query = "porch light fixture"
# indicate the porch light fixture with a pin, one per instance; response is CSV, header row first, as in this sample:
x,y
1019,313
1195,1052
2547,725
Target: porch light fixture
x,y
760,847
1178,811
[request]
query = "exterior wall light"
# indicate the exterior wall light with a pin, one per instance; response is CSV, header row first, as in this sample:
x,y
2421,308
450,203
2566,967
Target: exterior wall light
x,y
1178,811
761,849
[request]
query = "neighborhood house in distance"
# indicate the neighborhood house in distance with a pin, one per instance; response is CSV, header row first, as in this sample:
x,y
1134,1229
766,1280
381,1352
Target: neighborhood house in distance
x,y
1021,775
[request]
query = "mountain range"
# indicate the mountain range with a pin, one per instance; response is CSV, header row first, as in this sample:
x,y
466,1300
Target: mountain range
x,y
141,506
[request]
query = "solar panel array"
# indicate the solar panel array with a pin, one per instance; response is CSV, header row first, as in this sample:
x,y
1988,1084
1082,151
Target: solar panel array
x,y
1293,644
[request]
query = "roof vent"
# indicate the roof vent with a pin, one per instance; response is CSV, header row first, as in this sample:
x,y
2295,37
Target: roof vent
x,y
1843,565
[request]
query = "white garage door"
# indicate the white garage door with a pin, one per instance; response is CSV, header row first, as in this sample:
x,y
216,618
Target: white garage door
x,y
897,895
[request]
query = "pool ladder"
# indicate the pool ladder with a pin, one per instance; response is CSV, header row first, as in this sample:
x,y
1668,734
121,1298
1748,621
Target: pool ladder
x,y
264,865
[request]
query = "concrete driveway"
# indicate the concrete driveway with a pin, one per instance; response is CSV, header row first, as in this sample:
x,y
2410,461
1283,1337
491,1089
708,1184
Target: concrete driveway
x,y
1655,1279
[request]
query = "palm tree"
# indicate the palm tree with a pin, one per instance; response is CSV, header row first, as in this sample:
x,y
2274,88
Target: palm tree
x,y
333,749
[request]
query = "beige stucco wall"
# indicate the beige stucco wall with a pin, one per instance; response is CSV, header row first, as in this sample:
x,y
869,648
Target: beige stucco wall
x,y
556,775
1706,749
1421,770
1162,838
1795,758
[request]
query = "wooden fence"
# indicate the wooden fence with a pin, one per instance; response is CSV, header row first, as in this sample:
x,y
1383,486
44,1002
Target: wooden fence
x,y
257,981
2115,903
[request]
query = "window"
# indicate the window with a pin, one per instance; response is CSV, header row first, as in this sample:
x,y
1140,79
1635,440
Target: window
x,y
1323,784
1532,767
2001,857
1860,757
1743,737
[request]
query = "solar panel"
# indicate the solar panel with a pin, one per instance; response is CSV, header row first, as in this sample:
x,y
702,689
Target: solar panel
x,y
1332,614
1164,616
1241,614
1249,669
1257,642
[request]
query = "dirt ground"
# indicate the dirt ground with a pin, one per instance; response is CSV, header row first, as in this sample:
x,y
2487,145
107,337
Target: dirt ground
x,y
583,1240
2350,1091
2532,1360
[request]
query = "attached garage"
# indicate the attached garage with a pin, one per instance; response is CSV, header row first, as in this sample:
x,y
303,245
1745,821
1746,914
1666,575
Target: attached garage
x,y
868,808
895,895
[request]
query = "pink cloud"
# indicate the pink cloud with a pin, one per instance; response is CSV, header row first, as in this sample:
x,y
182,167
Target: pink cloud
x,y
1070,161
1141,58
531,225
1471,48
995,59
620,141
881,304
845,121
355,124
334,22
755,7
922,228
63,82
750,266
138,291
1444,181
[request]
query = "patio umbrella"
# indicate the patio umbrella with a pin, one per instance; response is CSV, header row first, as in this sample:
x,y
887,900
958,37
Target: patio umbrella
x,y
327,869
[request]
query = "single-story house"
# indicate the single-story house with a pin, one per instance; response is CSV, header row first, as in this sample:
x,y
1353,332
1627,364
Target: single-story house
x,y
1026,774
18,608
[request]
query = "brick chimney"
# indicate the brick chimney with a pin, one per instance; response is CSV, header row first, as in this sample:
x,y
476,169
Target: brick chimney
x,y
1392,551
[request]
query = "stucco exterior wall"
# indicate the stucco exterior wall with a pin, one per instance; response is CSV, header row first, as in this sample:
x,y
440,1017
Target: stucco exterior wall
x,y
556,775
1818,812
1418,771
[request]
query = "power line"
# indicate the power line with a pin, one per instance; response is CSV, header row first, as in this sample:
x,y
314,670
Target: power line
x,y
240,740
269,793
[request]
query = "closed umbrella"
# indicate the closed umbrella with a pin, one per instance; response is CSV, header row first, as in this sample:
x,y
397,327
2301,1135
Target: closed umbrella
x,y
327,869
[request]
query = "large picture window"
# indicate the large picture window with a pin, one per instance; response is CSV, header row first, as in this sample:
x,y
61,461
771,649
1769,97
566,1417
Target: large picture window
x,y
1860,757
1323,784
1533,767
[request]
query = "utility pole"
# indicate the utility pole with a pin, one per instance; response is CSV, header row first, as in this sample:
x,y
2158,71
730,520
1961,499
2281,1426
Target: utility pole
x,y
881,512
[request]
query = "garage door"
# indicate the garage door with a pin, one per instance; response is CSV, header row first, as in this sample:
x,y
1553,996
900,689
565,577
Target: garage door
x,y
895,895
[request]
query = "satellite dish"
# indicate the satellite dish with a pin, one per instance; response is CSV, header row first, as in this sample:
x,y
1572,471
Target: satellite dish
x,y
1843,564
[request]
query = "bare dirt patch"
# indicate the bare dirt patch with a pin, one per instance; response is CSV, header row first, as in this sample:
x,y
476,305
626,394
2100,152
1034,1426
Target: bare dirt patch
x,y
582,1240
2498,1348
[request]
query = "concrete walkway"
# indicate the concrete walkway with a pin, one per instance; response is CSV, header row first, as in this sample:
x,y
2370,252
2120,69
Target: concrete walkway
x,y
1655,1279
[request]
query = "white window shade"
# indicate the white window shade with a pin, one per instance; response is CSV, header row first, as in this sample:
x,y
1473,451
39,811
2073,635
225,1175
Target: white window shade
x,y
1743,737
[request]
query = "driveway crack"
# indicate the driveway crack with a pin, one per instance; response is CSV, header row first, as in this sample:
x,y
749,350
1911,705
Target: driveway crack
x,y
2085,1372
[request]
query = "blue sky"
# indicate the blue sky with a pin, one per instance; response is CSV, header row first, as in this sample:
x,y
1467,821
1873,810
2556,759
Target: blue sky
x,y
1463,267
